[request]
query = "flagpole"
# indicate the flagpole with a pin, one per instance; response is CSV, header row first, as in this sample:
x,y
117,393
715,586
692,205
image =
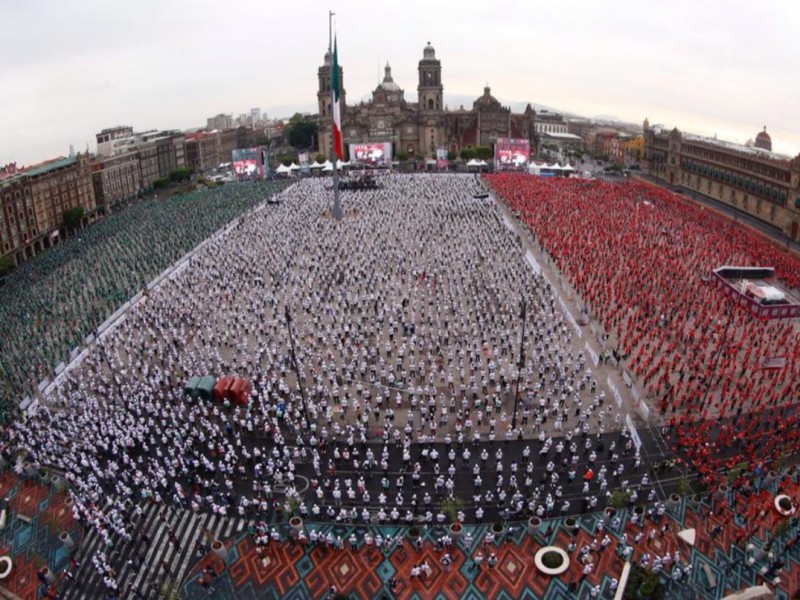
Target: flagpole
x,y
337,207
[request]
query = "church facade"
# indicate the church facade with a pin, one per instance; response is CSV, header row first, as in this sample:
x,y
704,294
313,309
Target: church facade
x,y
421,127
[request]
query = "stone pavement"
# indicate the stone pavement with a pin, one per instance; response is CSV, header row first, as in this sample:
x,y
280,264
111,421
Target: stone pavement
x,y
38,511
720,560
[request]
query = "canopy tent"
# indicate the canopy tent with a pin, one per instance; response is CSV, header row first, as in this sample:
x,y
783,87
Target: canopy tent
x,y
543,168
221,389
240,391
205,388
317,165
327,168
190,387
473,162
294,167
283,169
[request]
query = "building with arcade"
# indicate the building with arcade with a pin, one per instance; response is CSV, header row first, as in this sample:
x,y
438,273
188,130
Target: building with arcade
x,y
420,128
752,179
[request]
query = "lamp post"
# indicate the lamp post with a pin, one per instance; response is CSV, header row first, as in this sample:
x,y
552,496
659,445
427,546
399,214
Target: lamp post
x,y
520,364
111,371
722,344
288,316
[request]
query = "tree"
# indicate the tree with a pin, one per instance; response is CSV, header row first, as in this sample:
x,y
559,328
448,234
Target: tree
x,y
483,152
160,184
72,217
451,155
301,132
468,153
402,156
182,174
6,264
286,159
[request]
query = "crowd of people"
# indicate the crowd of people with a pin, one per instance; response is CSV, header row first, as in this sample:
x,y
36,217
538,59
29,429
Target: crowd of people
x,y
406,322
641,259
51,303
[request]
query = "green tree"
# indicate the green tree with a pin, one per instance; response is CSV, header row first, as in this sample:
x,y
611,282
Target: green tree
x,y
402,156
6,264
160,184
468,153
301,132
451,155
287,159
182,174
72,217
483,152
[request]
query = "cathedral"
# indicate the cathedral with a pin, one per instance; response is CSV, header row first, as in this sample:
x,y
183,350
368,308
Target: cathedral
x,y
421,127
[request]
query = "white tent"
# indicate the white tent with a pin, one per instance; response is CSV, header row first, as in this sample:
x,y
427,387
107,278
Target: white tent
x,y
482,164
294,167
283,169
474,162
328,168
317,165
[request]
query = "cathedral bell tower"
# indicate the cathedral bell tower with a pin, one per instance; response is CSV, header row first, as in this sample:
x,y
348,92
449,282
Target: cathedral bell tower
x,y
324,100
429,90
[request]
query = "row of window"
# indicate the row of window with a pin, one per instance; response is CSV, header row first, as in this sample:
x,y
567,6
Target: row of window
x,y
735,179
740,162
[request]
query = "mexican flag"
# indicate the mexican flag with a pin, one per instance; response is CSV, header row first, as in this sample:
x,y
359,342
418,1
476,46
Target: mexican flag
x,y
336,92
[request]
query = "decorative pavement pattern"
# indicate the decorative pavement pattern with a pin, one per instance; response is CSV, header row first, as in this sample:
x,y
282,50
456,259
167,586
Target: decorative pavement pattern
x,y
720,560
36,515
735,532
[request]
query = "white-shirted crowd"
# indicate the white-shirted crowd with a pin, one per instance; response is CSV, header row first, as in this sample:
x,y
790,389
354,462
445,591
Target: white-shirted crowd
x,y
406,319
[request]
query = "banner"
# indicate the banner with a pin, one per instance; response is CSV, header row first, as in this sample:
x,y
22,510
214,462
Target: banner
x,y
248,163
441,158
511,154
376,154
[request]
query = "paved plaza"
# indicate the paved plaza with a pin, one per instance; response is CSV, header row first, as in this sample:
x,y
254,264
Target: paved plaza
x,y
411,410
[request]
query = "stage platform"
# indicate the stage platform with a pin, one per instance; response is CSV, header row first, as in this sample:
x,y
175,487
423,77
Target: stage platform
x,y
758,290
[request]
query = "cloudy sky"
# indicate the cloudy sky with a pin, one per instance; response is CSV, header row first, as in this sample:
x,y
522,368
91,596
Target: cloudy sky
x,y
69,69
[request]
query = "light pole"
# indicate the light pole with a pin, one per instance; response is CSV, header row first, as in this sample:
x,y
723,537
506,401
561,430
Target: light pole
x,y
520,364
111,371
288,316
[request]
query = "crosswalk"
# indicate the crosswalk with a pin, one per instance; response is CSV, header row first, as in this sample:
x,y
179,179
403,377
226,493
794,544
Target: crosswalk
x,y
159,561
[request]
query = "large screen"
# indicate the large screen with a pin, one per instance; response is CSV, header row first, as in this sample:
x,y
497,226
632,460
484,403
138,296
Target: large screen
x,y
511,153
373,153
248,163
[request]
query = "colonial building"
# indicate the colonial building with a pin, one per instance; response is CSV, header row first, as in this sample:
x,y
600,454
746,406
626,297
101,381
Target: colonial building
x,y
33,201
116,178
421,127
206,150
755,180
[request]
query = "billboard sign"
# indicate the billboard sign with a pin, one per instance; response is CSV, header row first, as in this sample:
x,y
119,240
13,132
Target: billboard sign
x,y
372,153
248,163
441,158
511,154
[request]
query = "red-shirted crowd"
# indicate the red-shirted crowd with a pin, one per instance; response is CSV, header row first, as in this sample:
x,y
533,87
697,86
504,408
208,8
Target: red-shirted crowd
x,y
640,258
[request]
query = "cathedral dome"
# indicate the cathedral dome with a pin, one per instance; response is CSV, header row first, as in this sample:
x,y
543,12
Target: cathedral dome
x,y
487,100
388,83
763,140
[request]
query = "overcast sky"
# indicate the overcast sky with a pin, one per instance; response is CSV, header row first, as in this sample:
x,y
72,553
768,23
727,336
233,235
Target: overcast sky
x,y
69,69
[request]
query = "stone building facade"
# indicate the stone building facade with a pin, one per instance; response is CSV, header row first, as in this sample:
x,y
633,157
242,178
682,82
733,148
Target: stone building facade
x,y
755,180
421,127
33,201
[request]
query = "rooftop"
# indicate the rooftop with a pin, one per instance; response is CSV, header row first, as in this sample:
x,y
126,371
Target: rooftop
x,y
756,152
50,165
